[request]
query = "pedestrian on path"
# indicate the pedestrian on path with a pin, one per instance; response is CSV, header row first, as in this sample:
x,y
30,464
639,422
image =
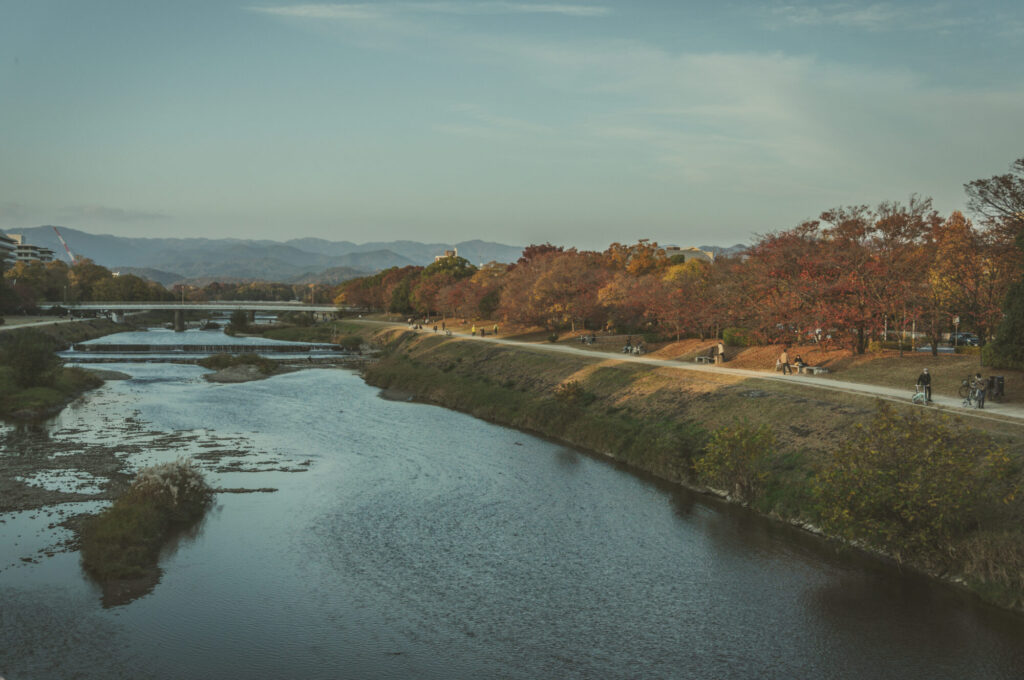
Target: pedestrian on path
x,y
720,353
784,362
925,382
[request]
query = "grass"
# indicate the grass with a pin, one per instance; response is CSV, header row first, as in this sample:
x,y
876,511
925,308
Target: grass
x,y
124,541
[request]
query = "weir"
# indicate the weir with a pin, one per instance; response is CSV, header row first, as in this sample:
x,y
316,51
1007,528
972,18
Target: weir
x,y
106,348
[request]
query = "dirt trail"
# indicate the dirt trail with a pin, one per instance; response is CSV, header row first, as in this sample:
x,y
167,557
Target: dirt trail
x,y
993,411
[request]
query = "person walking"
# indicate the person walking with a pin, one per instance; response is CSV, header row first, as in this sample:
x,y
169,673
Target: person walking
x,y
925,382
784,362
720,354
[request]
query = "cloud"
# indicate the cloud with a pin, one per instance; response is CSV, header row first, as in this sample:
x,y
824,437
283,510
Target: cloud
x,y
366,11
108,214
12,212
875,17
470,120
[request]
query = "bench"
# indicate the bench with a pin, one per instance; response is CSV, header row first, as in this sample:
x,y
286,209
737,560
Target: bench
x,y
814,370
704,359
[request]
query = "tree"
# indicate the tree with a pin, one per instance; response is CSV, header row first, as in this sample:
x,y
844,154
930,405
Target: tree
x,y
1000,199
84,276
912,484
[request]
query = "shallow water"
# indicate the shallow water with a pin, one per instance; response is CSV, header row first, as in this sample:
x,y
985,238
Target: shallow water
x,y
422,543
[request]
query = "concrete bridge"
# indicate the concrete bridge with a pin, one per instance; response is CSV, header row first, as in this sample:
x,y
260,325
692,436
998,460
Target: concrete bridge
x,y
116,308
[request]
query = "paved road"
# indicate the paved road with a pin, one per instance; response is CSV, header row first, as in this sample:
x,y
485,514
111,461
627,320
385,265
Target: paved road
x,y
50,320
992,411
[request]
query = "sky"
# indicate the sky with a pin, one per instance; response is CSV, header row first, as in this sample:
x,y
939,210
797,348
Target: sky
x,y
576,122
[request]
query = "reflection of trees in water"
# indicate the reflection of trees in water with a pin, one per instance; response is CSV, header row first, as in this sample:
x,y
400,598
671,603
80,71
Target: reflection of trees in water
x,y
26,439
118,592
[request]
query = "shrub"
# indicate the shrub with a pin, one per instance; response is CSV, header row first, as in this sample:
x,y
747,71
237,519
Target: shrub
x,y
738,337
573,393
911,484
297,318
738,459
30,354
350,342
124,540
218,362
239,322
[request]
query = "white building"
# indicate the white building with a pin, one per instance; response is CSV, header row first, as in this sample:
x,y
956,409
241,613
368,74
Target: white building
x,y
25,252
7,246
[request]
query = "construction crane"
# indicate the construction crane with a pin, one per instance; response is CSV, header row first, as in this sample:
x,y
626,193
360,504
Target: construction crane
x,y
71,255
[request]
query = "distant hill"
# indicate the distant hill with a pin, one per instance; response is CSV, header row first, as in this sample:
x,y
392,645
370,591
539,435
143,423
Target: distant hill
x,y
728,252
242,259
165,279
329,277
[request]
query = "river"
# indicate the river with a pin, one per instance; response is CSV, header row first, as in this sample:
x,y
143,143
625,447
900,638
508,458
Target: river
x,y
408,541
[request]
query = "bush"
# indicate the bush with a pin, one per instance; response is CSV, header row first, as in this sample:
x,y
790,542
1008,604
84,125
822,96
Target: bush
x,y
738,459
239,322
573,393
302,319
351,343
218,362
993,355
30,354
911,484
738,337
124,540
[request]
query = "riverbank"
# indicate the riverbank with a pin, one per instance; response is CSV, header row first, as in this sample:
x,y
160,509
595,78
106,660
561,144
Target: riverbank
x,y
49,395
659,420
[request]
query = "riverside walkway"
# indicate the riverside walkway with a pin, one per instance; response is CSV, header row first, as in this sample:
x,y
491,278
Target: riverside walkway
x,y
994,411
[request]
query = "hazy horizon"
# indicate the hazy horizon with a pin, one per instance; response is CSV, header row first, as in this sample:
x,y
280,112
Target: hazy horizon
x,y
578,123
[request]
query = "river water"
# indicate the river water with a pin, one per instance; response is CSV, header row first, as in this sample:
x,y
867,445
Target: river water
x,y
408,541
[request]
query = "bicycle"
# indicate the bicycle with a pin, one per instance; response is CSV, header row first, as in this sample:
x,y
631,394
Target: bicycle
x,y
972,392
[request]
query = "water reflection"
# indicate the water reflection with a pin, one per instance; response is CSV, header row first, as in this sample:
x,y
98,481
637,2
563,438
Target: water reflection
x,y
423,543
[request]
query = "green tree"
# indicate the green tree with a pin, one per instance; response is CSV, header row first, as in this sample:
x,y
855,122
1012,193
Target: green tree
x,y
738,459
1000,199
239,321
913,484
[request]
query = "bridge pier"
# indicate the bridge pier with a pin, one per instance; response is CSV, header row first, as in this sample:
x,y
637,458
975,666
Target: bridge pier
x,y
252,316
179,321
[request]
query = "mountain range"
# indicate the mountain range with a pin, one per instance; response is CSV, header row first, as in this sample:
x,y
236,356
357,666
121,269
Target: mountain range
x,y
304,260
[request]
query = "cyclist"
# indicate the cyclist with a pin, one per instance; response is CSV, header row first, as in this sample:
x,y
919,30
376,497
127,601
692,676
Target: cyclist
x,y
924,382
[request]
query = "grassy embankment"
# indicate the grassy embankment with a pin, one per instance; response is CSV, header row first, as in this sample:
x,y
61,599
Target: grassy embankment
x,y
124,541
948,495
33,383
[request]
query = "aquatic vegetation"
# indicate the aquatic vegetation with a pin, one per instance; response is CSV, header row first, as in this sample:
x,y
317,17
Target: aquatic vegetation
x,y
124,540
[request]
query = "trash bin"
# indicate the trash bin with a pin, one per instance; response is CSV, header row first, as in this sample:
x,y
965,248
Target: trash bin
x,y
1000,385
